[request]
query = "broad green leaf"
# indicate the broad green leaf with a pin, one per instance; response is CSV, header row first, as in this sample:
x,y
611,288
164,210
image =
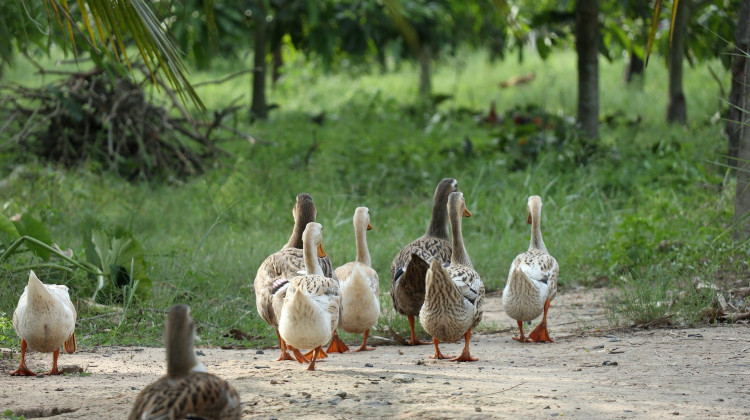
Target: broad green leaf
x,y
29,226
8,227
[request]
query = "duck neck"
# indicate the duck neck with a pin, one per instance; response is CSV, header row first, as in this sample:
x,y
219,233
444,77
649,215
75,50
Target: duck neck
x,y
438,223
180,355
363,253
536,231
295,241
312,265
459,255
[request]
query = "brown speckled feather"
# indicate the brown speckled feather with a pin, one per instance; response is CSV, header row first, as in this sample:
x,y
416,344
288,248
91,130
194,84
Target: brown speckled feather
x,y
455,294
407,291
407,288
453,302
199,394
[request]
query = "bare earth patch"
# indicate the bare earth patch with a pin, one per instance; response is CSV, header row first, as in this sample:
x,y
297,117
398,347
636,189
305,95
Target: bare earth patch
x,y
587,373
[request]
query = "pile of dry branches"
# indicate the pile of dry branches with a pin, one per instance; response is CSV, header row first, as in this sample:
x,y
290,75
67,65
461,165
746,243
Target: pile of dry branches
x,y
107,120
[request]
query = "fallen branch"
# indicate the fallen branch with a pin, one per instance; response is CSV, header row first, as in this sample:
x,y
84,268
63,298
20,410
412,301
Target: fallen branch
x,y
503,390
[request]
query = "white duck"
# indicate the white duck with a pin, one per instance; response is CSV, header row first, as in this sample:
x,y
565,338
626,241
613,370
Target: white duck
x,y
187,390
45,319
454,296
280,267
310,310
360,285
532,280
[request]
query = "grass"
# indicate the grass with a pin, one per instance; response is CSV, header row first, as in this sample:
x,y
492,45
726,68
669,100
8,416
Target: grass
x,y
205,237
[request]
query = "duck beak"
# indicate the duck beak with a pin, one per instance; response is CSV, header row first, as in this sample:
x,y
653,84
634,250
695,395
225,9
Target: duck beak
x,y
467,213
528,219
369,227
321,253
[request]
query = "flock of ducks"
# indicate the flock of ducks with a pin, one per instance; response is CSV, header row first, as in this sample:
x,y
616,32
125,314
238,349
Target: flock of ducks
x,y
300,295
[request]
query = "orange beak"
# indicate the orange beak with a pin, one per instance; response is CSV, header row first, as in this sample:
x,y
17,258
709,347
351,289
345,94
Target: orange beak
x,y
467,213
528,219
321,253
369,227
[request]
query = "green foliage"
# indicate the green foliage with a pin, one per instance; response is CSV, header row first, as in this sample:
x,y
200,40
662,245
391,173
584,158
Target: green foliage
x,y
7,335
33,228
8,414
120,257
203,238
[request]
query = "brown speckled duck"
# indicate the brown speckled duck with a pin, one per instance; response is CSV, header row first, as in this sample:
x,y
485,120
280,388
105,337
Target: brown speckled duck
x,y
360,285
310,311
187,390
45,319
278,268
409,267
455,294
532,280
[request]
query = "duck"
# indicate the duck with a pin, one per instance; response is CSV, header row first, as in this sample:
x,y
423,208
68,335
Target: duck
x,y
44,319
454,295
187,390
410,265
360,285
310,310
532,280
280,267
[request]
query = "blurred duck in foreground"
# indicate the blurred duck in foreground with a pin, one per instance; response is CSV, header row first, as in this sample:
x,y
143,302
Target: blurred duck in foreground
x,y
187,390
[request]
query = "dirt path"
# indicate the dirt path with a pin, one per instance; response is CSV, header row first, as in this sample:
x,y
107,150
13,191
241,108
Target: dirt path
x,y
693,373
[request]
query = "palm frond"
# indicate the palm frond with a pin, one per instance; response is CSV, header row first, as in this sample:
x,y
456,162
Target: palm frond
x,y
116,22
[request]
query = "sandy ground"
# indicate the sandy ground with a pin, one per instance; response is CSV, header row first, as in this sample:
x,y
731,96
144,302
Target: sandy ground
x,y
587,373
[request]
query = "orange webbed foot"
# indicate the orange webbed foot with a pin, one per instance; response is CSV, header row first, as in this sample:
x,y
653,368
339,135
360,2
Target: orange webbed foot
x,y
22,371
438,354
540,334
363,347
337,345
464,358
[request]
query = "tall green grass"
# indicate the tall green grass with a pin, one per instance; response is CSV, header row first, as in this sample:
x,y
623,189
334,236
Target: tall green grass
x,y
205,237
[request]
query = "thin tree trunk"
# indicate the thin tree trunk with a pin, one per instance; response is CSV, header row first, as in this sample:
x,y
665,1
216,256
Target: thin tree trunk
x,y
634,69
676,105
258,109
587,39
735,114
742,197
277,62
425,77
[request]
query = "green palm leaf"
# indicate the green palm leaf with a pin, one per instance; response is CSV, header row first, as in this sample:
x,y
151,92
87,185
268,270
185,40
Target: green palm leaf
x,y
114,20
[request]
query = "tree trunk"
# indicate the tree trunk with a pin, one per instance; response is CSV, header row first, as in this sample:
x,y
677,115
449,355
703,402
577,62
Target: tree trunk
x,y
258,108
425,79
676,105
742,197
735,115
277,61
587,39
634,69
